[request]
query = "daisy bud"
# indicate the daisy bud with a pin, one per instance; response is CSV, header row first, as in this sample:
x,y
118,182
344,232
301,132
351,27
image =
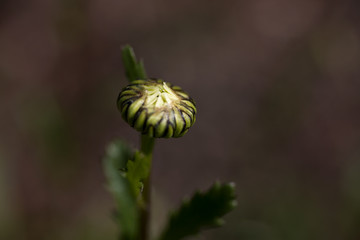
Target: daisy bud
x,y
157,108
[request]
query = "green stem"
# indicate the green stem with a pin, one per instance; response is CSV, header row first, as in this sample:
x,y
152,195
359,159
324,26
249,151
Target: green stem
x,y
147,145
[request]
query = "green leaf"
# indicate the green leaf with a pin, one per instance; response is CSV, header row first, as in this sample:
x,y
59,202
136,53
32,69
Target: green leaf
x,y
137,171
118,153
204,210
115,160
134,70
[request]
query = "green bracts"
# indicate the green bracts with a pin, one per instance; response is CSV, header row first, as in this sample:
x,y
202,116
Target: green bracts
x,y
157,108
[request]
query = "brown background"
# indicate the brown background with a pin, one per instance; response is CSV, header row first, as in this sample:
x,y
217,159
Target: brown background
x,y
276,84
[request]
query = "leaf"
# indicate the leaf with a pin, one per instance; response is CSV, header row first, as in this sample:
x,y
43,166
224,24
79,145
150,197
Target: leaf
x,y
134,70
118,152
116,158
204,210
137,171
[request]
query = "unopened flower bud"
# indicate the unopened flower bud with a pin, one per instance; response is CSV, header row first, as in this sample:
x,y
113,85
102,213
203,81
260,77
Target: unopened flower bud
x,y
157,108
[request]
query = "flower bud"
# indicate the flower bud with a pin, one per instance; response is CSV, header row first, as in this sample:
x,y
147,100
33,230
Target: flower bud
x,y
157,108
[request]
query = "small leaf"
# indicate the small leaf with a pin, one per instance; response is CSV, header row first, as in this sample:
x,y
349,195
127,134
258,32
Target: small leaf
x,y
137,171
117,155
118,152
204,210
134,70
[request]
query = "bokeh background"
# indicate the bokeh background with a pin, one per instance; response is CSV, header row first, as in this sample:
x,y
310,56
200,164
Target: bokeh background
x,y
276,83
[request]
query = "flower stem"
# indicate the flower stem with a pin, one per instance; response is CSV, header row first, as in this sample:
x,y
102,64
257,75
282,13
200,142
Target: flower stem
x,y
147,145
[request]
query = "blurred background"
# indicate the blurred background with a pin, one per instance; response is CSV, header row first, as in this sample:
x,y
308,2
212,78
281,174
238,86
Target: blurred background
x,y
276,83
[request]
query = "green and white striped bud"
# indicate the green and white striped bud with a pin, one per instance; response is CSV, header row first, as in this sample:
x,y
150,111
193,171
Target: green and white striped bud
x,y
157,108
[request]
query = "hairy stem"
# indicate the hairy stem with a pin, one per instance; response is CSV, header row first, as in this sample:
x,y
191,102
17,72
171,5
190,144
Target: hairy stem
x,y
147,145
